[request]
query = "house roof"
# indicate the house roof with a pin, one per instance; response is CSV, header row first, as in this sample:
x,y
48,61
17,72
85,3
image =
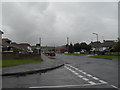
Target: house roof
x,y
95,44
14,44
108,43
6,42
24,46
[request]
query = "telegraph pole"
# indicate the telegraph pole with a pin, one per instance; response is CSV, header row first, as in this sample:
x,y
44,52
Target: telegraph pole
x,y
40,45
97,43
67,46
67,40
40,41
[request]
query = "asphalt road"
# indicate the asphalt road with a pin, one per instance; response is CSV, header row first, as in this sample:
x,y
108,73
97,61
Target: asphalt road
x,y
78,72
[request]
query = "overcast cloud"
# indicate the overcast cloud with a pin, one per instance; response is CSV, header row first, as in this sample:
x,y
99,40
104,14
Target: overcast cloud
x,y
54,22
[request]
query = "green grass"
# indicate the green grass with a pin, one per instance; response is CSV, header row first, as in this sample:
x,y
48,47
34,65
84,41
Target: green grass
x,y
46,54
74,54
60,53
14,62
106,56
51,57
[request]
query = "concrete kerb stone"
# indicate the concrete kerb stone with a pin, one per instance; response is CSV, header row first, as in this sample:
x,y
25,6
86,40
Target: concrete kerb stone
x,y
33,71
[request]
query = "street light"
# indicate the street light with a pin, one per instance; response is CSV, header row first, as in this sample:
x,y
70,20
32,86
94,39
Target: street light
x,y
97,41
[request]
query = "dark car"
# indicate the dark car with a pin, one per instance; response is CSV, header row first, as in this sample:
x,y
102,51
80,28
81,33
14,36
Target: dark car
x,y
52,54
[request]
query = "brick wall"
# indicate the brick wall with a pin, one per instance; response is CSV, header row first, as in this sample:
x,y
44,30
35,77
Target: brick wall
x,y
112,53
11,55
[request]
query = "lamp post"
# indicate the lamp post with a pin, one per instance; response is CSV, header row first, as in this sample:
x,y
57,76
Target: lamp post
x,y
97,42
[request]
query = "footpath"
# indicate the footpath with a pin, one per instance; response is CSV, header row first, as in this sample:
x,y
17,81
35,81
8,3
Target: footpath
x,y
46,65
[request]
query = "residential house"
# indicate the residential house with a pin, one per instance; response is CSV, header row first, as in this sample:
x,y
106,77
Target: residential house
x,y
96,45
25,47
108,44
105,45
9,46
6,44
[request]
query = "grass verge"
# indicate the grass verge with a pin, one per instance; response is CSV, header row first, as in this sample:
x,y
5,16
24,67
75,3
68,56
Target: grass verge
x,y
46,54
106,56
14,62
74,54
51,57
60,53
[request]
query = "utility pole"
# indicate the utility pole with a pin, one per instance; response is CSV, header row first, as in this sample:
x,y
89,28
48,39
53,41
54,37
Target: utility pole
x,y
97,42
40,45
67,40
40,41
67,46
103,38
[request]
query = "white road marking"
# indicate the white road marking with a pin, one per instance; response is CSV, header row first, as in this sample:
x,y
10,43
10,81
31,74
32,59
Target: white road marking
x,y
84,72
80,76
85,79
102,81
95,78
77,69
67,86
92,83
71,70
114,86
89,75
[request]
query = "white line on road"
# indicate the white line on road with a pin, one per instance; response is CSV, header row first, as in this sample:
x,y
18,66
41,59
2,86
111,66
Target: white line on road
x,y
91,82
85,79
102,81
95,78
114,86
89,75
72,71
67,86
80,76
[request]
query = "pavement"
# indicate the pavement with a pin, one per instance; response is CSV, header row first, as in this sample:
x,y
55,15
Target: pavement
x,y
47,64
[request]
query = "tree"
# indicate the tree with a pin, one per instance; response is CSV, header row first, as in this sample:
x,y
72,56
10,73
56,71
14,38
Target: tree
x,y
77,47
117,46
88,48
71,48
83,45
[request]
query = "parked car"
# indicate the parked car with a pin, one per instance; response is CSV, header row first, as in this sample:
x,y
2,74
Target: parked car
x,y
52,53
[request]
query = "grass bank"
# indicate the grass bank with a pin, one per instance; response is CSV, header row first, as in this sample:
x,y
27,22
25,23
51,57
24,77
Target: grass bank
x,y
14,62
106,56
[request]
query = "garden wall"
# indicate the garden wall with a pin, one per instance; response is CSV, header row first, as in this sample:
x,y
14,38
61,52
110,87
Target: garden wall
x,y
112,53
12,55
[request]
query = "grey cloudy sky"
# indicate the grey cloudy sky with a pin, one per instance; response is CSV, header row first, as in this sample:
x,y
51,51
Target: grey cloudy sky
x,y
54,22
